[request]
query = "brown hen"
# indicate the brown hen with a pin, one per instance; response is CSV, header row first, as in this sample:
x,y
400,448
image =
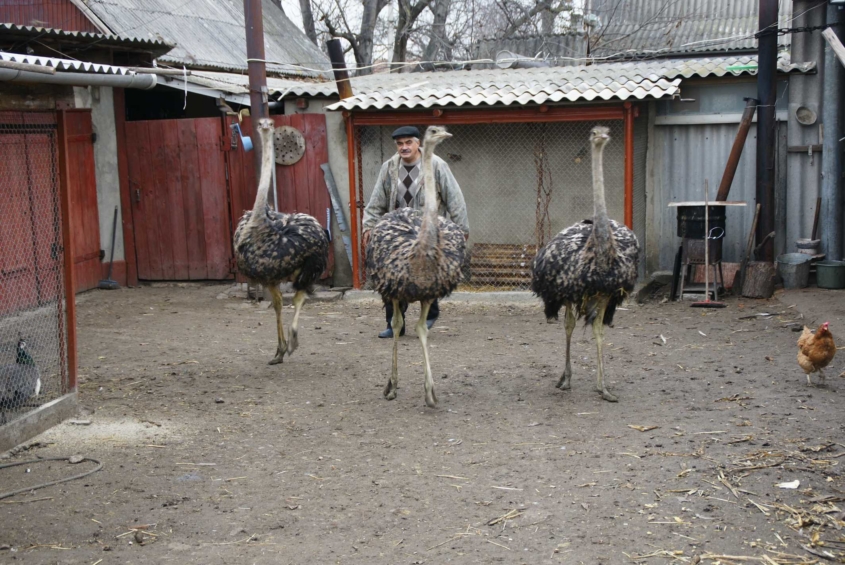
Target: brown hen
x,y
816,350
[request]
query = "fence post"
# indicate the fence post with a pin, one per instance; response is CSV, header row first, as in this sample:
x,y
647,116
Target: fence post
x,y
353,201
67,248
629,165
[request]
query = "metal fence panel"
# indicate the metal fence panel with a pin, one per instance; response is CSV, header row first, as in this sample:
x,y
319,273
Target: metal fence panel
x,y
33,346
522,182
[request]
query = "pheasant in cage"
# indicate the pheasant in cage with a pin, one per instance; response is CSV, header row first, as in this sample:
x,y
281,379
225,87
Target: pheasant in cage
x,y
589,268
19,381
416,256
272,247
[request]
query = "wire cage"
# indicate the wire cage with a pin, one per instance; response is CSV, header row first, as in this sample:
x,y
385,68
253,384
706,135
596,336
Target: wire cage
x,y
522,182
33,333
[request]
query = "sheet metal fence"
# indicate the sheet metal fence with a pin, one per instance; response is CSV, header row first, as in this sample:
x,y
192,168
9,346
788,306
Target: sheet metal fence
x,y
522,182
33,334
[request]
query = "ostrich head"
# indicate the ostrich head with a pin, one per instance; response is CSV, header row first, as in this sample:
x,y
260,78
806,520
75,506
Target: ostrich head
x,y
599,136
266,127
435,135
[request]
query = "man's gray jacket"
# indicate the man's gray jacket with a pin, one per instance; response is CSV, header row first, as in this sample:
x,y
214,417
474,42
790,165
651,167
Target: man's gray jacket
x,y
450,199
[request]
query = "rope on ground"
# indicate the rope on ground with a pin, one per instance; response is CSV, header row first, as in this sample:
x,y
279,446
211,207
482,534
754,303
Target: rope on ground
x,y
51,483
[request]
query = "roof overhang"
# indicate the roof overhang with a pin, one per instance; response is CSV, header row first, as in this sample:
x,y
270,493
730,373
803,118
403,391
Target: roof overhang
x,y
83,38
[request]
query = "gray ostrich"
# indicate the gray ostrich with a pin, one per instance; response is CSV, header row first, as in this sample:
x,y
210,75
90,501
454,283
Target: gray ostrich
x,y
416,256
272,247
589,268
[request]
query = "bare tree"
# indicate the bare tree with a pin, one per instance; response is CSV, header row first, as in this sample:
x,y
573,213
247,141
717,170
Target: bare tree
x,y
334,17
438,39
408,14
308,21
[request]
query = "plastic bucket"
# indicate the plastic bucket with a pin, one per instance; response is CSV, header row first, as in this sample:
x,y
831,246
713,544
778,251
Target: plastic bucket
x,y
830,274
794,269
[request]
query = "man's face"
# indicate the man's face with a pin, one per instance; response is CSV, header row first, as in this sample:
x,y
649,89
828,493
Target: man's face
x,y
408,148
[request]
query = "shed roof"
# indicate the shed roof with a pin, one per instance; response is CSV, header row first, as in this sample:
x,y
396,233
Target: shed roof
x,y
66,65
210,34
23,33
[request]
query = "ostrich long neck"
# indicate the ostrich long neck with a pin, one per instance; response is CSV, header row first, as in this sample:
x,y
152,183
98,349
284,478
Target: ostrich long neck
x,y
428,229
602,233
265,178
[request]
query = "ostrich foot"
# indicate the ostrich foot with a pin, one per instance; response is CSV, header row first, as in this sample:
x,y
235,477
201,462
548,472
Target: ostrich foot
x,y
430,399
280,354
564,382
390,390
293,341
609,397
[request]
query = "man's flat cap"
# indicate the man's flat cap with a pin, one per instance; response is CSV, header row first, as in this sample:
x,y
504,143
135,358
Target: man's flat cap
x,y
406,131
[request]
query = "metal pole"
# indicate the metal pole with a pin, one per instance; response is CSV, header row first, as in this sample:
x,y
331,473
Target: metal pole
x,y
831,194
736,150
259,107
767,95
341,76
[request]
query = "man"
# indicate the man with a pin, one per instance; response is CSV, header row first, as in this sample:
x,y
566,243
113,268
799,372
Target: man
x,y
400,185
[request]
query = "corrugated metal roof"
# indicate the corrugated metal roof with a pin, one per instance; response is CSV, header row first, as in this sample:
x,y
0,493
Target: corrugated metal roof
x,y
604,81
210,33
67,65
681,26
154,46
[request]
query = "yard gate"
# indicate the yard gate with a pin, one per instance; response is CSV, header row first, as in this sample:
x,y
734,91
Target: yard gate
x,y
525,176
37,339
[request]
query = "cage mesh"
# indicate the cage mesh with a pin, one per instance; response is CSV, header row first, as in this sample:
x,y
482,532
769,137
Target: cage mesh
x,y
33,365
522,182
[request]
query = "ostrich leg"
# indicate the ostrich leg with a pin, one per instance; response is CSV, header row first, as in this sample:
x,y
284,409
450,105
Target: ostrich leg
x,y
563,383
422,332
598,333
277,306
293,340
393,382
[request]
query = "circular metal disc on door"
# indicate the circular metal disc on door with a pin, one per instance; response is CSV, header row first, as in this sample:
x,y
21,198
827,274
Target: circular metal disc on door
x,y
289,145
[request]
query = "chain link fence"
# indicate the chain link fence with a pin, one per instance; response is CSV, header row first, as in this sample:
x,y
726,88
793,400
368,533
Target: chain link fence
x,y
523,183
33,360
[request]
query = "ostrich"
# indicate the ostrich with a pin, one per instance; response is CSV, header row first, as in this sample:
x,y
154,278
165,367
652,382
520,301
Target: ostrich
x,y
272,247
589,268
416,256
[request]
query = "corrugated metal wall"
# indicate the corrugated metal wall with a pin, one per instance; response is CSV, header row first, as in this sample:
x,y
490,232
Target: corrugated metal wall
x,y
57,14
686,155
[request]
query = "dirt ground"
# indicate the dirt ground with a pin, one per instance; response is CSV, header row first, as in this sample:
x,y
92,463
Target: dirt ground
x,y
214,457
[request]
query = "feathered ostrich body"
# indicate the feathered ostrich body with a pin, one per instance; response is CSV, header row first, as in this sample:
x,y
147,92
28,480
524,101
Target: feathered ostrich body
x,y
589,268
416,256
272,247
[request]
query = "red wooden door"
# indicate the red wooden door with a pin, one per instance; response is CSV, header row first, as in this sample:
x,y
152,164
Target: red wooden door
x,y
301,187
82,184
30,238
177,181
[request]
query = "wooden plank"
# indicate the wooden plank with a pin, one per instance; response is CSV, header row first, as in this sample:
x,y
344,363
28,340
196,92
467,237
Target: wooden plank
x,y
149,262
135,141
215,212
192,200
832,40
69,271
286,178
317,153
83,186
178,241
160,235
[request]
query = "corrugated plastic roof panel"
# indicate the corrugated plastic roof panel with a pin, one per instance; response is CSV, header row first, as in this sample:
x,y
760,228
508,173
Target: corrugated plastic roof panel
x,y
65,65
210,34
153,45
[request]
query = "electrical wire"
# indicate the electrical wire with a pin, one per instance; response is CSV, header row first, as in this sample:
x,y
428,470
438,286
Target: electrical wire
x,y
51,483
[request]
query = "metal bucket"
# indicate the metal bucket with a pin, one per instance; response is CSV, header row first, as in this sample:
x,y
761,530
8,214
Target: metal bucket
x,y
830,274
808,246
794,269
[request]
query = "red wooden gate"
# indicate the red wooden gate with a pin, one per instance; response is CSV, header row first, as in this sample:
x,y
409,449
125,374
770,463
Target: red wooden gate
x,y
177,183
82,185
301,187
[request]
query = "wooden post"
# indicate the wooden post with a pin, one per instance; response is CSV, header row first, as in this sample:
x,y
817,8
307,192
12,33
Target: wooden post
x,y
67,248
629,165
125,190
835,44
353,202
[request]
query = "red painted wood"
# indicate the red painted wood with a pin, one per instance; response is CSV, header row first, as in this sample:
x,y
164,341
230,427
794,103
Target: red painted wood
x,y
68,220
82,184
499,116
137,164
128,225
214,205
317,153
164,236
58,14
17,270
192,200
174,198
